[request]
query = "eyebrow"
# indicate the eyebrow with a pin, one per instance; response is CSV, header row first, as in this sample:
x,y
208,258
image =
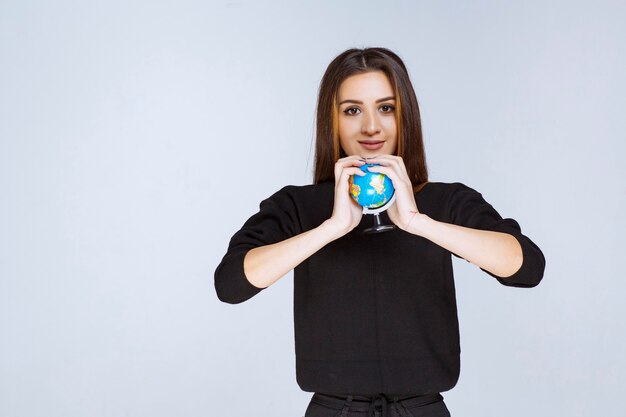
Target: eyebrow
x,y
360,102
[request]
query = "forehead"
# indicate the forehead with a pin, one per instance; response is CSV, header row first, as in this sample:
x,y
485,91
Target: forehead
x,y
367,85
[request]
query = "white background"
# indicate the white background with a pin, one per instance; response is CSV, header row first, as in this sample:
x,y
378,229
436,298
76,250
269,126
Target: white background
x,y
137,137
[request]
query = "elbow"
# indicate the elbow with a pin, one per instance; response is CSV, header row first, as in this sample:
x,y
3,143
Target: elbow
x,y
531,268
231,284
228,292
228,298
537,275
515,261
222,292
526,282
525,279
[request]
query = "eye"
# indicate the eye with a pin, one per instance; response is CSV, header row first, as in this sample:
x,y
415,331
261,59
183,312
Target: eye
x,y
351,111
387,108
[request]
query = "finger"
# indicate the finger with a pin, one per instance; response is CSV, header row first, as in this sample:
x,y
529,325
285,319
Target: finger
x,y
350,162
381,157
345,173
390,172
397,165
342,164
387,170
382,161
351,157
385,159
351,171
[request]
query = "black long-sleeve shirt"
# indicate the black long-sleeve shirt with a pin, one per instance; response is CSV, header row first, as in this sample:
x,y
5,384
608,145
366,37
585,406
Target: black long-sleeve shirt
x,y
373,313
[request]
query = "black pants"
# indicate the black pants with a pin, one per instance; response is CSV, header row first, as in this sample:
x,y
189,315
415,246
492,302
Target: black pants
x,y
326,405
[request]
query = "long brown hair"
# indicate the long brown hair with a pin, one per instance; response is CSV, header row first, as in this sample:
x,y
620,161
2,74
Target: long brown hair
x,y
410,143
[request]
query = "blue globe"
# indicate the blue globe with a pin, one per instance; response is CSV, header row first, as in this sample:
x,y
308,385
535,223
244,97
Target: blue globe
x,y
371,190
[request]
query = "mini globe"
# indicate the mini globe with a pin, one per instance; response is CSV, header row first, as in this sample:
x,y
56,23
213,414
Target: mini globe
x,y
373,190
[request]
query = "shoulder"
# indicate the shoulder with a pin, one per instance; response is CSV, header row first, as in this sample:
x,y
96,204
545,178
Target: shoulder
x,y
305,206
299,198
300,192
446,198
444,189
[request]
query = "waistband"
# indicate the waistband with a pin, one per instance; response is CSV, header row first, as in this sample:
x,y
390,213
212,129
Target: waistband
x,y
384,403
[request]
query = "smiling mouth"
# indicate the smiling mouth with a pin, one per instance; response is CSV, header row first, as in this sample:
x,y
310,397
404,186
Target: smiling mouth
x,y
372,145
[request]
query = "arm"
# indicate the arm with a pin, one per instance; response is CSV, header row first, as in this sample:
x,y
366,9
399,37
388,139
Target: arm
x,y
467,208
272,242
265,265
473,229
496,252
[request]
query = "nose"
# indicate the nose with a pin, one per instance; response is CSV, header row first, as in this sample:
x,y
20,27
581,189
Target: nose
x,y
371,124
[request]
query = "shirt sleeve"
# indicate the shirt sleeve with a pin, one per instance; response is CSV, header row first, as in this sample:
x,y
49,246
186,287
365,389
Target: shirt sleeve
x,y
275,221
468,208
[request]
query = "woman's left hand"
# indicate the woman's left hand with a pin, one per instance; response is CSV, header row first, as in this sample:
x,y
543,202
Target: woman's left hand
x,y
404,209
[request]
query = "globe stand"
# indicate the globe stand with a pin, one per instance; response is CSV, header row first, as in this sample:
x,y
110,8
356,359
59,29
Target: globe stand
x,y
378,226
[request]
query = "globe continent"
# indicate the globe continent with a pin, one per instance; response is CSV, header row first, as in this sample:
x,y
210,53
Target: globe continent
x,y
371,190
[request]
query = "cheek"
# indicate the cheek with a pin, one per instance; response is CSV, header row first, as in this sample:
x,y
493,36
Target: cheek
x,y
392,135
347,146
346,127
393,131
347,132
390,125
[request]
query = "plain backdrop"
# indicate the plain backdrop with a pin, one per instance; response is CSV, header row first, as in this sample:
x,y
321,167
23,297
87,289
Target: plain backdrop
x,y
137,136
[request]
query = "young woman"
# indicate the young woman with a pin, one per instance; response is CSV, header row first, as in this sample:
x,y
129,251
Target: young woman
x,y
376,325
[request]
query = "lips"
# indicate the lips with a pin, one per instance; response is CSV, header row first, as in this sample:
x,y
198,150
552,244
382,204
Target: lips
x,y
372,145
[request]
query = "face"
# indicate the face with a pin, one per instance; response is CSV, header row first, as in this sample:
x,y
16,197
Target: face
x,y
367,121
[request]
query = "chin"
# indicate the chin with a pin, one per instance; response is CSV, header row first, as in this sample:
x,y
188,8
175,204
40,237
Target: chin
x,y
384,151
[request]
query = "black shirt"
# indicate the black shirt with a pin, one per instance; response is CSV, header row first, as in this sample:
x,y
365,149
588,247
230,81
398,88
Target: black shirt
x,y
373,313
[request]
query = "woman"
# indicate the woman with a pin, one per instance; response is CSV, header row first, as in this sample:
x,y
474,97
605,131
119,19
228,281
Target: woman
x,y
376,326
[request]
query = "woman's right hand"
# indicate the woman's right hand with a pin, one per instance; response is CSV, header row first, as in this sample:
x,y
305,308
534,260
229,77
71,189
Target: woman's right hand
x,y
347,213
